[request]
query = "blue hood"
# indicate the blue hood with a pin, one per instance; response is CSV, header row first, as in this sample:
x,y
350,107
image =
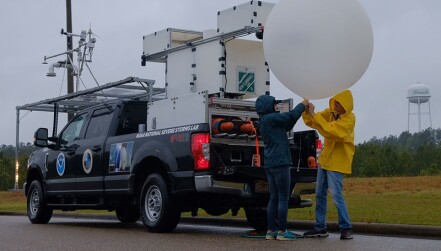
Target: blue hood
x,y
265,105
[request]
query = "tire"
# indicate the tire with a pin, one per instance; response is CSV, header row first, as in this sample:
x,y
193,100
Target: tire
x,y
158,212
129,214
257,218
38,211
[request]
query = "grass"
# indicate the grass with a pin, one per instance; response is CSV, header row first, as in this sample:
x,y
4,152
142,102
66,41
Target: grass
x,y
12,202
391,200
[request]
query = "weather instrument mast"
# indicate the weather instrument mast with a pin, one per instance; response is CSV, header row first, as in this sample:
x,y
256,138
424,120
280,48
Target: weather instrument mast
x,y
84,55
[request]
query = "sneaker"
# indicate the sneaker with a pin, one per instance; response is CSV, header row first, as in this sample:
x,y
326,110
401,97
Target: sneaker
x,y
313,233
346,234
287,236
271,235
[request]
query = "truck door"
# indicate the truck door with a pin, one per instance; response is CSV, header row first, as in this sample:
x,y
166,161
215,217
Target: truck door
x,y
89,164
60,177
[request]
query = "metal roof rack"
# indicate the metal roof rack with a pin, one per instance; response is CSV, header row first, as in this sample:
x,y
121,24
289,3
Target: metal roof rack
x,y
131,88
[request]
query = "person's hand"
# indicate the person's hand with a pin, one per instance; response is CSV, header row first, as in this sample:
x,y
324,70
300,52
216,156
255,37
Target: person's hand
x,y
311,108
305,102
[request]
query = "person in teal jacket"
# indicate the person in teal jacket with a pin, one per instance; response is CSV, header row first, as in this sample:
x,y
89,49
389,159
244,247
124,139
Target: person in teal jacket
x,y
273,127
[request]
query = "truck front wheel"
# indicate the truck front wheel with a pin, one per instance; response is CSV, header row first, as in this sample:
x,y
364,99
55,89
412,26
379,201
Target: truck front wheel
x,y
38,211
158,212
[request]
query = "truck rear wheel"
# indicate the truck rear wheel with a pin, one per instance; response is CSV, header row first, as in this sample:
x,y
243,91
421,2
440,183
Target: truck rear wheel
x,y
257,218
128,214
38,211
158,212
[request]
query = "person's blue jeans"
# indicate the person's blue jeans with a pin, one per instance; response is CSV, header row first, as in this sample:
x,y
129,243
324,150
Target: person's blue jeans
x,y
279,181
333,181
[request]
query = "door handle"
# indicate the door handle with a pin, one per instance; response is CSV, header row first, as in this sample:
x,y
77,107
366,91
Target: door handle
x,y
71,152
68,150
96,148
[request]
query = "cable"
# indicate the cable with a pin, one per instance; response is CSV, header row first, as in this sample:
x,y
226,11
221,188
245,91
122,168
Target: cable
x,y
62,80
25,115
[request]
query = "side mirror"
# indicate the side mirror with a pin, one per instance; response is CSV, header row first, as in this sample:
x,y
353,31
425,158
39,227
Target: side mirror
x,y
41,137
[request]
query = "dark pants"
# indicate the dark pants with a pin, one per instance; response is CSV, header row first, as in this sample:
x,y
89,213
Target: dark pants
x,y
279,181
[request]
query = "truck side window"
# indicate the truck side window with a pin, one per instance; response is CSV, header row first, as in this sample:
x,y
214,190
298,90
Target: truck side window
x,y
73,130
133,114
99,123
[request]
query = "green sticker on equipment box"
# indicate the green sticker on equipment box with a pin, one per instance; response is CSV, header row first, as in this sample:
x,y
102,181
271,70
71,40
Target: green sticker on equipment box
x,y
246,80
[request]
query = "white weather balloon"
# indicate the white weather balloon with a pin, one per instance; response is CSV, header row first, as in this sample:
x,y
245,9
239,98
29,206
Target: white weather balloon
x,y
317,48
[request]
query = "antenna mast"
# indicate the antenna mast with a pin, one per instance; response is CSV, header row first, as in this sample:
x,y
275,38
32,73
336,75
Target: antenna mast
x,y
84,53
69,55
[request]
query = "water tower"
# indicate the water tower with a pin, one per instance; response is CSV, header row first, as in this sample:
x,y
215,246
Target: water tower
x,y
418,94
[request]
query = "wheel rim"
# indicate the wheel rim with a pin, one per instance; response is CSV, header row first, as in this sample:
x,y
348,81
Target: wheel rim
x,y
153,203
34,202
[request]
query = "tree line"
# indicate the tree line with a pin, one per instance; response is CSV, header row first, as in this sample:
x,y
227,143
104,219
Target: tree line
x,y
7,164
404,155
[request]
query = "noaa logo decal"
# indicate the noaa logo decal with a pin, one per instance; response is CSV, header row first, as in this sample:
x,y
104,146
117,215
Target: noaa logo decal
x,y
87,161
61,164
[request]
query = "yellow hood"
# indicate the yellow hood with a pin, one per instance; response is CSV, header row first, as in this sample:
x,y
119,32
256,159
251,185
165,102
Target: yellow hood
x,y
345,99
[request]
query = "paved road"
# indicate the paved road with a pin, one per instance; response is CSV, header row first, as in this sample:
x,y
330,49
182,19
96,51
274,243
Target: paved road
x,y
17,233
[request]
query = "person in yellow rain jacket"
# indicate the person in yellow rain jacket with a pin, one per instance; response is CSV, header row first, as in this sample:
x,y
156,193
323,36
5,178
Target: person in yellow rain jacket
x,y
336,124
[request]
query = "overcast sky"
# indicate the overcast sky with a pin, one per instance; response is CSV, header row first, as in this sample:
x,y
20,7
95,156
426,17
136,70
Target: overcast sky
x,y
407,50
